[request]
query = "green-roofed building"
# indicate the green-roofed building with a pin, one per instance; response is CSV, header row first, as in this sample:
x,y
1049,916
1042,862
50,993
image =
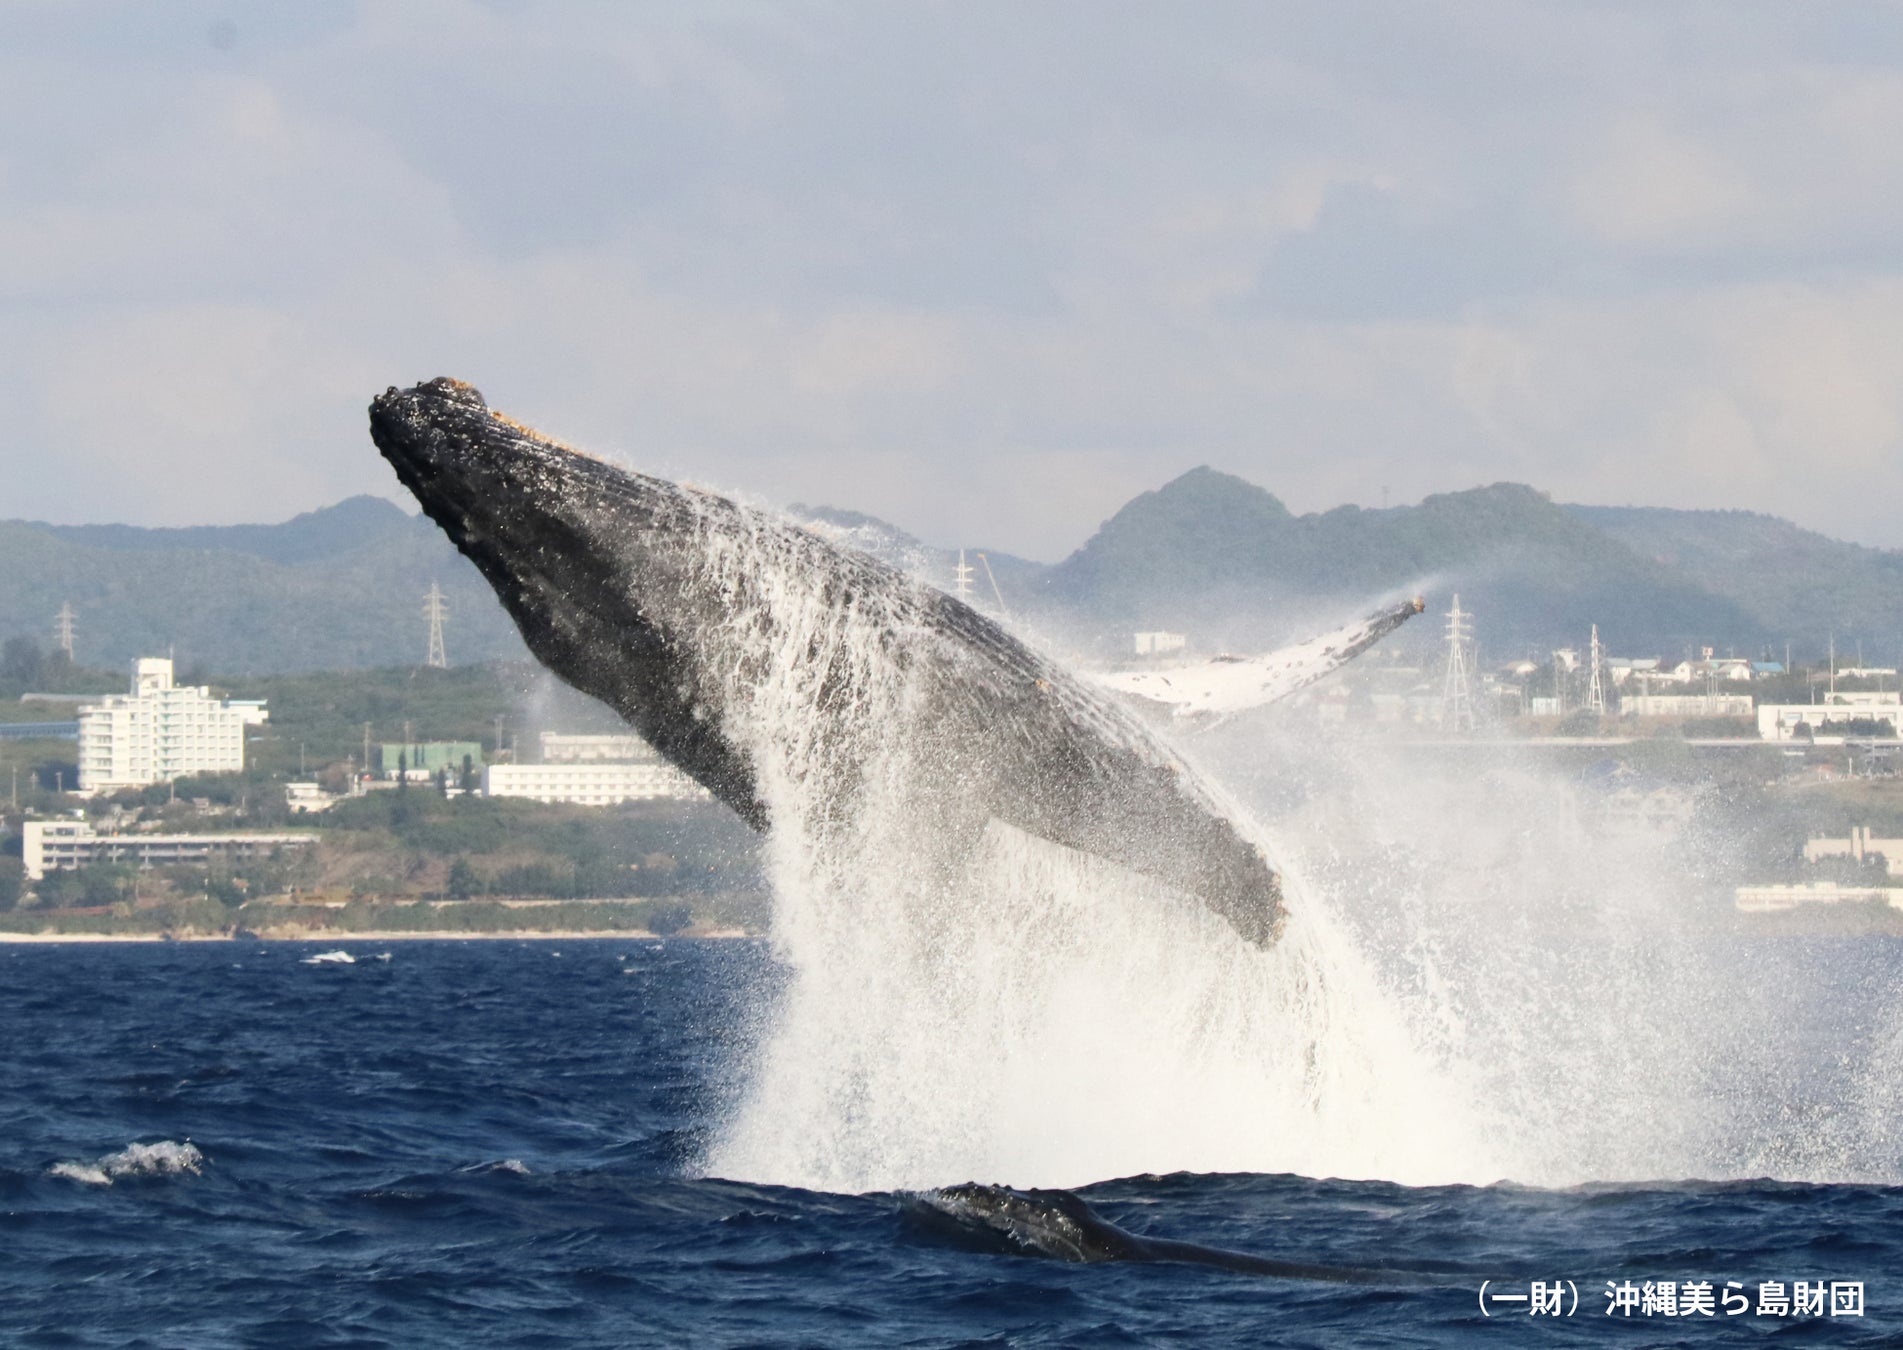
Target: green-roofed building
x,y
424,758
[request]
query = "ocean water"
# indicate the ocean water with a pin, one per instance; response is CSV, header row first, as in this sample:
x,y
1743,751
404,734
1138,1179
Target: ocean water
x,y
510,1143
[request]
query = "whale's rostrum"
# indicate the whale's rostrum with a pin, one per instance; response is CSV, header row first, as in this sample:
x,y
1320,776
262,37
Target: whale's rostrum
x,y
672,604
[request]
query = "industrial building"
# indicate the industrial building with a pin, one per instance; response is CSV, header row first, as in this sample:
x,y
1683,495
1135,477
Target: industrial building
x,y
160,731
420,760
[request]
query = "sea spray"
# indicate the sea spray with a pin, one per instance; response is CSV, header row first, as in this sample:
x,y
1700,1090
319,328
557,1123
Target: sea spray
x,y
981,1003
1555,931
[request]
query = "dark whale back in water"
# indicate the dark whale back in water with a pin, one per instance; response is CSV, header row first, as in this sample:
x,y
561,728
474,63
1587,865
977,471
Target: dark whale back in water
x,y
1060,1225
676,606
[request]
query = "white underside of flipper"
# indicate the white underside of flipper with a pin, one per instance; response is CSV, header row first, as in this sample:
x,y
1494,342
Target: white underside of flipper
x,y
1203,693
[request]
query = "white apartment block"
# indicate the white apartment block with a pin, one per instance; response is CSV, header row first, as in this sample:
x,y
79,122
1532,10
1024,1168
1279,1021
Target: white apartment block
x,y
49,845
590,784
160,731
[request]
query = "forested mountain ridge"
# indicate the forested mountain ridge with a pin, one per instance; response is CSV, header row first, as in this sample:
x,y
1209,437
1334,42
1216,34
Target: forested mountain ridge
x,y
1208,554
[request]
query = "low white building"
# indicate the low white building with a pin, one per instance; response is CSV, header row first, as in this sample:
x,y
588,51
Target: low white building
x,y
1828,723
1710,667
565,747
1777,899
160,731
1160,643
591,784
305,798
1860,845
48,845
1623,668
1685,705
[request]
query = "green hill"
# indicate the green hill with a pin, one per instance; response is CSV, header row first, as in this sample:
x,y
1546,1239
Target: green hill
x,y
334,589
1207,553
1211,553
1793,582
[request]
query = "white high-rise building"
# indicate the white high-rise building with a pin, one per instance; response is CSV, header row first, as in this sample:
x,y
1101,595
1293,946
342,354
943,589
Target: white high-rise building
x,y
160,731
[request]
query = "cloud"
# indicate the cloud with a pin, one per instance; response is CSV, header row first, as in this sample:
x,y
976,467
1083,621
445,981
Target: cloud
x,y
987,270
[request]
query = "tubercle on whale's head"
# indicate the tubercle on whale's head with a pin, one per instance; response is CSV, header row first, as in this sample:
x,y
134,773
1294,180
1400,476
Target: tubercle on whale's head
x,y
559,533
462,459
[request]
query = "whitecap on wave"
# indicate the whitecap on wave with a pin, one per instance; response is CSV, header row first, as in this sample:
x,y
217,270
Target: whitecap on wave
x,y
165,1158
515,1165
336,958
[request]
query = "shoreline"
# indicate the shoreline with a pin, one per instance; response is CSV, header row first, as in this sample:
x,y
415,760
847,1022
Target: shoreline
x,y
382,935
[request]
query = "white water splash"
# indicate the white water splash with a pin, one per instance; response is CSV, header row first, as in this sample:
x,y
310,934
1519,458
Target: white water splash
x,y
1016,1012
1485,975
164,1158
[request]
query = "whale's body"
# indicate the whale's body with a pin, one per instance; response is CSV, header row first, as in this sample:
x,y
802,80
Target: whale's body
x,y
1062,1226
675,606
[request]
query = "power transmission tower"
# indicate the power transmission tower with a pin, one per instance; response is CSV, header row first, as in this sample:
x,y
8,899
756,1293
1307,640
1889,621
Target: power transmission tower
x,y
961,579
1595,686
436,611
1456,703
63,631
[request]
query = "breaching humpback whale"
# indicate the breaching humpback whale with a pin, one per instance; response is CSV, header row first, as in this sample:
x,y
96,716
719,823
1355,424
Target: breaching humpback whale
x,y
665,602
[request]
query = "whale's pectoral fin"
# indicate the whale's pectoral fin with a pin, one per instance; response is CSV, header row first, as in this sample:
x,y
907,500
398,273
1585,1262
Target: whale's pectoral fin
x,y
1200,696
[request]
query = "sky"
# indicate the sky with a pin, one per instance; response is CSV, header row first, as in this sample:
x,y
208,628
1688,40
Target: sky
x,y
985,270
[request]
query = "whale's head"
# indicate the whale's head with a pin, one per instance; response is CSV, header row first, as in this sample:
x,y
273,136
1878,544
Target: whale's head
x,y
565,538
596,565
503,490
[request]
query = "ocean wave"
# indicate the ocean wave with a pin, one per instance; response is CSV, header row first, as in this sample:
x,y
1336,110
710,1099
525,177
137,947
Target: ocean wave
x,y
165,1158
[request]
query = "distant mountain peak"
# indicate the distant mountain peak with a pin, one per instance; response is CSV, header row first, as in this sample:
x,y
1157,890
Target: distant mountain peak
x,y
1203,484
310,536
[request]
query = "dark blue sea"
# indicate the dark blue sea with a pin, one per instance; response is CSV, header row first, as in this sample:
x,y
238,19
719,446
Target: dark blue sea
x,y
495,1143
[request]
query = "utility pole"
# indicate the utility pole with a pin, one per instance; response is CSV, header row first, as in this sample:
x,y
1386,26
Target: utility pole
x,y
366,748
436,611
